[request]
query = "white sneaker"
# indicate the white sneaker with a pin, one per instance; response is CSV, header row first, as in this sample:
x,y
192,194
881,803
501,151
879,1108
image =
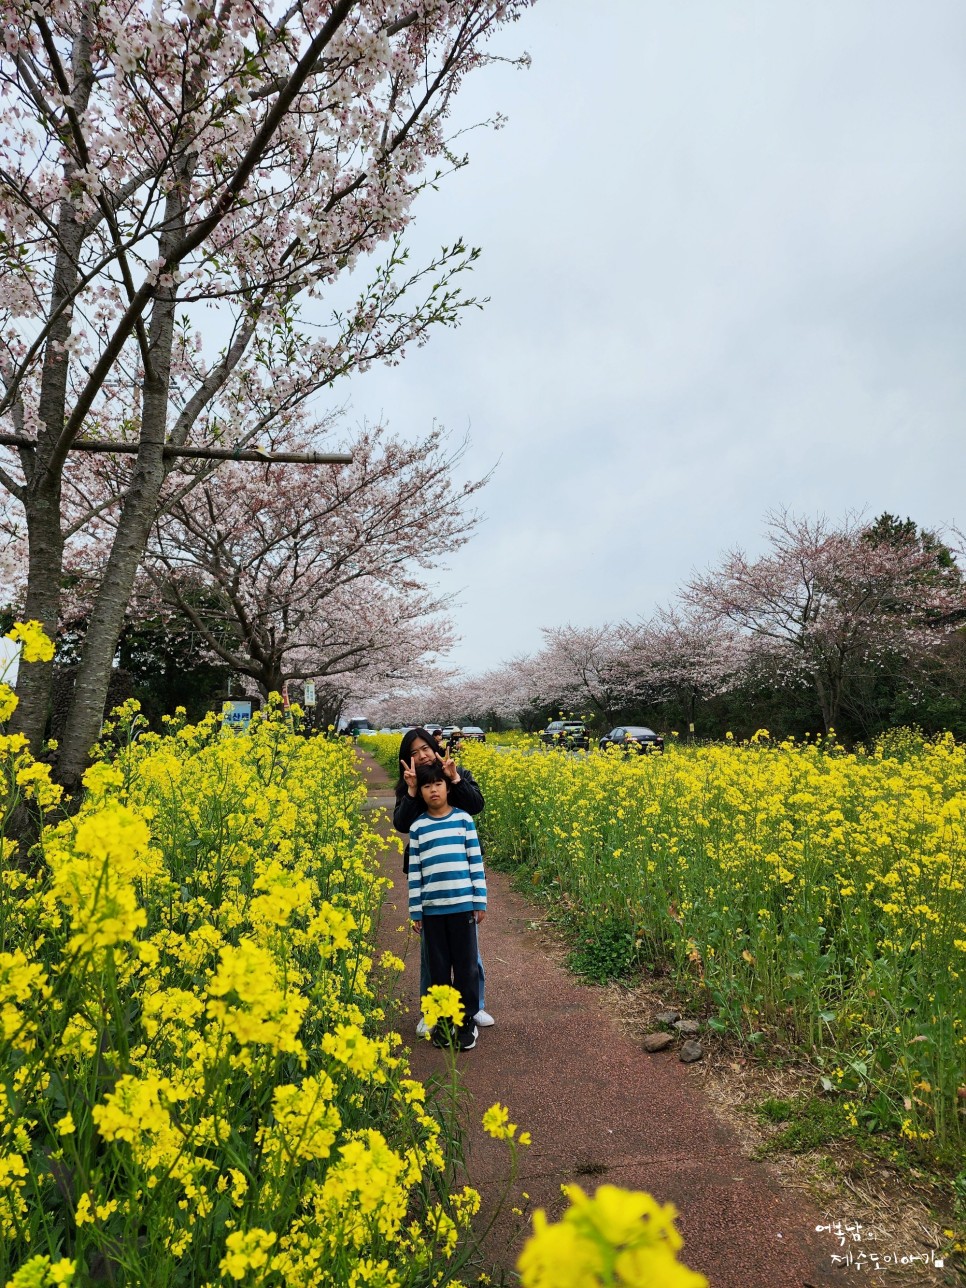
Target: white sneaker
x,y
484,1019
422,1028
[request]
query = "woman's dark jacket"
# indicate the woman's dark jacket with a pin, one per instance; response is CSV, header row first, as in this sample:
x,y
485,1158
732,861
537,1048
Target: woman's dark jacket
x,y
464,795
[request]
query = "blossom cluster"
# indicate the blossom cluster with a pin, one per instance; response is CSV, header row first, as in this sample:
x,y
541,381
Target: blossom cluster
x,y
617,1238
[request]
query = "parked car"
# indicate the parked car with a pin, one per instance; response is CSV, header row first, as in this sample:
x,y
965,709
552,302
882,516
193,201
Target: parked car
x,y
632,738
355,726
473,733
566,733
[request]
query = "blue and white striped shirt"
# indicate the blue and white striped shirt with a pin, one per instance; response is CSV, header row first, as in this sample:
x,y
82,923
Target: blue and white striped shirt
x,y
445,866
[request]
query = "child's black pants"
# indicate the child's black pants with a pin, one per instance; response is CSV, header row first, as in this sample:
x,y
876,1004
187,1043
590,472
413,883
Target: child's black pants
x,y
451,952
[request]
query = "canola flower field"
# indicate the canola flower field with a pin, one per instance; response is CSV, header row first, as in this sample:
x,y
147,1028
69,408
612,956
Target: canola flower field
x,y
199,1081
796,892
197,1084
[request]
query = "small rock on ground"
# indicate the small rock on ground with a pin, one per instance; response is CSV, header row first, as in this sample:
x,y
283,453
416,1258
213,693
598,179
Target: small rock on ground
x,y
657,1041
667,1017
688,1028
691,1051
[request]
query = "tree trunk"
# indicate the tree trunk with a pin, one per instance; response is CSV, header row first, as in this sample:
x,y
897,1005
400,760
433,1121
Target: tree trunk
x,y
42,494
107,618
328,710
270,680
46,552
138,513
827,700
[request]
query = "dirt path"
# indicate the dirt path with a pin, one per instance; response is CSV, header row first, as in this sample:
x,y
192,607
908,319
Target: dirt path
x,y
601,1110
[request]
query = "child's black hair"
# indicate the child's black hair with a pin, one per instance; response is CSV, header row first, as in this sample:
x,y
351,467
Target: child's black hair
x,y
429,774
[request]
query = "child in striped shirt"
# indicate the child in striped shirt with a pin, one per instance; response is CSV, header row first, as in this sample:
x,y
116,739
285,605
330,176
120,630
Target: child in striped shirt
x,y
447,896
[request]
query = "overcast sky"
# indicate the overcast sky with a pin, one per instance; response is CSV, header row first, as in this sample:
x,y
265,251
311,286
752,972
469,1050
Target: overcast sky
x,y
725,248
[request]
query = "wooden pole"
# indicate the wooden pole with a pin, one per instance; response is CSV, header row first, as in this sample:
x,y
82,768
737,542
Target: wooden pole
x,y
198,453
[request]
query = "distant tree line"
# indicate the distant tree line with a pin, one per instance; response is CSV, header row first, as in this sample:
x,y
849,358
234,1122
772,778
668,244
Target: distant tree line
x,y
853,627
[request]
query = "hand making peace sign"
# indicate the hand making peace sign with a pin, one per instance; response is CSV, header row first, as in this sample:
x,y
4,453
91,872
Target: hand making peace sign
x,y
450,768
409,776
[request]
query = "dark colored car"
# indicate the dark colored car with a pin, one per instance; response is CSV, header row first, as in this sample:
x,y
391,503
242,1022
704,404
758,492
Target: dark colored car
x,y
473,733
566,733
632,738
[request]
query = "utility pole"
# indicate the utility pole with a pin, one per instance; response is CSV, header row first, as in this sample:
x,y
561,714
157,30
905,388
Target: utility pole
x,y
22,442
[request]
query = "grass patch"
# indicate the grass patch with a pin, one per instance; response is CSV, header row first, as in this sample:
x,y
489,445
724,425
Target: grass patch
x,y
811,1122
806,1123
604,952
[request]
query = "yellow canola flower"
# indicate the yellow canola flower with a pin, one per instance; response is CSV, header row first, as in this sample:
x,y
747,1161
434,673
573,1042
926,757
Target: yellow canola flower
x,y
36,646
78,1039
97,878
136,1112
263,1010
364,1056
34,780
8,702
20,979
285,893
306,1121
12,1168
558,1256
238,1183
41,1272
442,1002
246,1250
362,1189
88,1212
170,1009
332,928
24,987
619,1238
102,778
496,1123
373,1274
117,834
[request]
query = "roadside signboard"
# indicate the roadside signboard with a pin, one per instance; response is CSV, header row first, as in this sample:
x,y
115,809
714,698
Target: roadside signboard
x,y
236,713
308,698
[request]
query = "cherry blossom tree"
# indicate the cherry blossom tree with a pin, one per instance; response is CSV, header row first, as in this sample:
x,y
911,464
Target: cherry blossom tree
x,y
682,656
578,669
448,697
507,692
180,182
581,669
319,574
827,601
